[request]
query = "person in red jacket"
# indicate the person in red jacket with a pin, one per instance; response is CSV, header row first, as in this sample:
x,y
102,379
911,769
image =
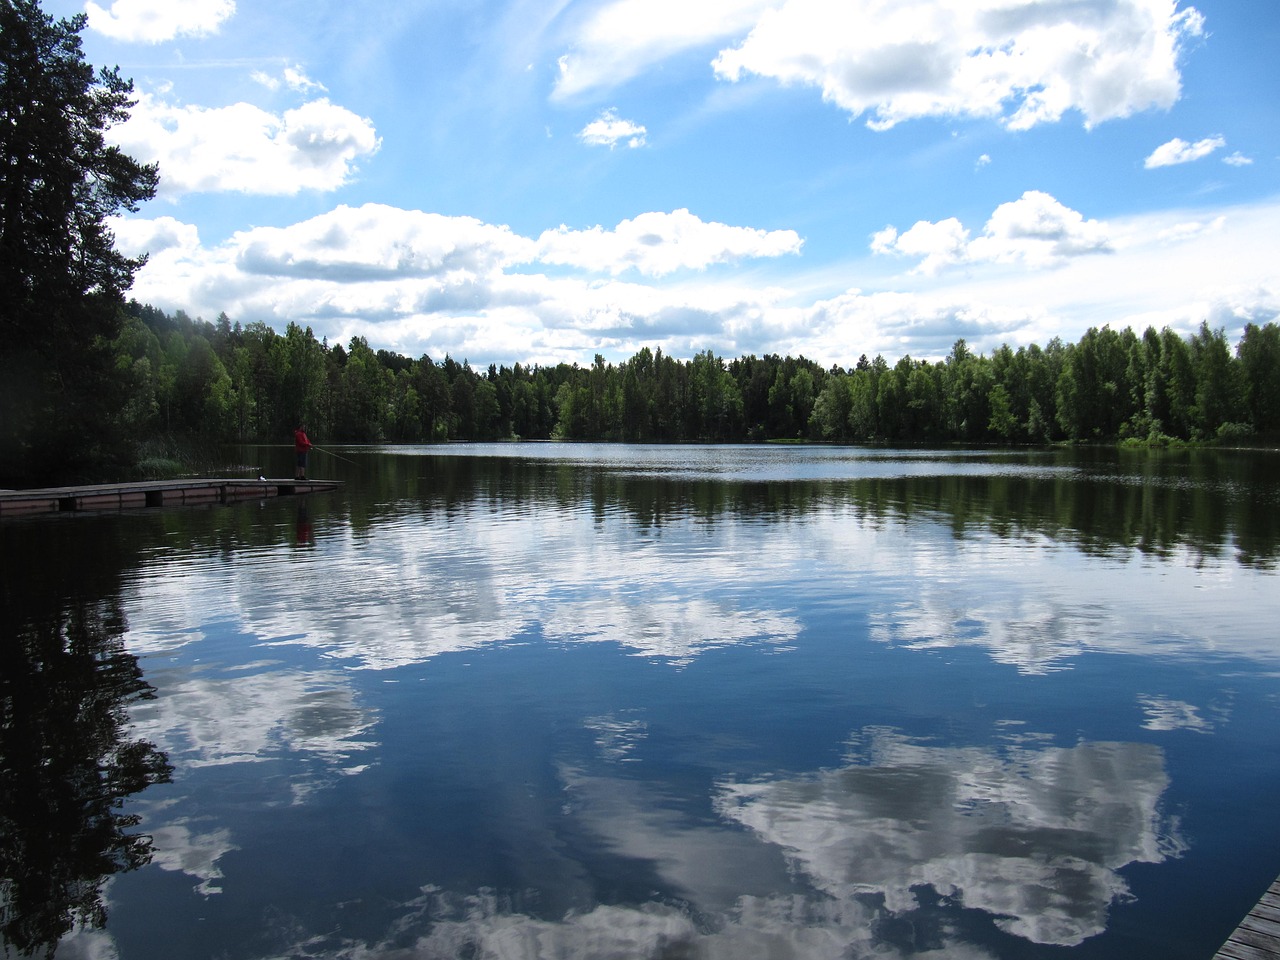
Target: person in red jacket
x,y
301,446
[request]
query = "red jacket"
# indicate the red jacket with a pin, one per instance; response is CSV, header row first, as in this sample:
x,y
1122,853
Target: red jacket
x,y
300,442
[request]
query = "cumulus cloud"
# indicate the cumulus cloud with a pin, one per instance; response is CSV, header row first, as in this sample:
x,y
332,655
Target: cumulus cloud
x,y
655,244
1178,151
608,129
1035,229
937,244
1022,62
247,149
1237,159
379,242
894,323
155,21
1038,229
135,238
424,282
416,282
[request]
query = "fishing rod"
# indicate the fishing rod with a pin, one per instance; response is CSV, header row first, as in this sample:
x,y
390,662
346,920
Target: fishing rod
x,y
334,455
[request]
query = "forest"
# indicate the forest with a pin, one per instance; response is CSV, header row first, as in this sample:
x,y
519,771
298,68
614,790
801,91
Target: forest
x,y
225,382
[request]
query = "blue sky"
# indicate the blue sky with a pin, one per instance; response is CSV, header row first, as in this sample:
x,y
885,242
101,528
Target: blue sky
x,y
539,181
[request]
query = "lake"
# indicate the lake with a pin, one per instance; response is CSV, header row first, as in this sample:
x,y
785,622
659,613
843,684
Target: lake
x,y
593,701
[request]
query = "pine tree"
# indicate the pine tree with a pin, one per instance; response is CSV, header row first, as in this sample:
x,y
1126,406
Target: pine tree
x,y
61,279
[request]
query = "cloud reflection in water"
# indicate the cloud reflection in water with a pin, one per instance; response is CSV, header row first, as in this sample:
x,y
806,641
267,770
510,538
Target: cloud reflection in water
x,y
836,864
1033,837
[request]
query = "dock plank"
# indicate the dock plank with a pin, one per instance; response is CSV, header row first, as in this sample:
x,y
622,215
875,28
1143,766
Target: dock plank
x,y
1258,936
1236,951
154,493
1261,928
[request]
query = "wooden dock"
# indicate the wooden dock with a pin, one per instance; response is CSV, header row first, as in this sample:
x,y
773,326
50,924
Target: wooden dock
x,y
152,493
1258,936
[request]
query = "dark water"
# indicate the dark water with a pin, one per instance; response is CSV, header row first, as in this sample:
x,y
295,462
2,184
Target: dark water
x,y
578,701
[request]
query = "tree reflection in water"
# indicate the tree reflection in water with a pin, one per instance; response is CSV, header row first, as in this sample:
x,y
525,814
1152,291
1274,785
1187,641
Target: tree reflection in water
x,y
67,762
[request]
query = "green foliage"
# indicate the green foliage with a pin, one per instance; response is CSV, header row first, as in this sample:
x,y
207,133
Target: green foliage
x,y
61,279
1216,392
1259,354
184,378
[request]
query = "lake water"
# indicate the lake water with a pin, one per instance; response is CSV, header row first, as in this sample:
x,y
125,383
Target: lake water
x,y
573,701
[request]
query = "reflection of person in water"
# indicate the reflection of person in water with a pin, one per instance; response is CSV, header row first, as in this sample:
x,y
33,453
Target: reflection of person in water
x,y
305,536
301,446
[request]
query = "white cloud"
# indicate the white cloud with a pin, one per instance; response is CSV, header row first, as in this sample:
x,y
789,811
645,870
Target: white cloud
x,y
155,21
423,282
1190,229
154,237
245,148
1237,159
1176,268
656,244
893,323
625,37
1022,62
1178,151
937,244
416,282
375,242
292,78
1034,229
608,129
298,81
1040,230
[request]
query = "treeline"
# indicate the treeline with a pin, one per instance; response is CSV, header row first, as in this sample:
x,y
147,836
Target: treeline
x,y
225,382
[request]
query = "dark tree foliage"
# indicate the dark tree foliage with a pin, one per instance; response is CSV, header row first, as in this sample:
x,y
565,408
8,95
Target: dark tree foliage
x,y
1259,353
61,278
228,383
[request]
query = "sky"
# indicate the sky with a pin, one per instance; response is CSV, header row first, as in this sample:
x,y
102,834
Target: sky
x,y
542,181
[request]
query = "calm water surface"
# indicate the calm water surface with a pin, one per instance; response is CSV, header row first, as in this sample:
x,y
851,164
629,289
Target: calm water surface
x,y
609,701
